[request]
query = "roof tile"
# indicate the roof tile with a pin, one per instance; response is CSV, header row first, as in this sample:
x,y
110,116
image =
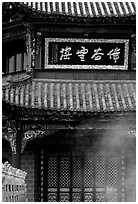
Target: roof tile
x,y
86,9
77,95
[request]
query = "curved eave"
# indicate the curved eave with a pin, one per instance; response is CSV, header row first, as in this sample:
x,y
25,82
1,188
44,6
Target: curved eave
x,y
71,12
91,96
84,9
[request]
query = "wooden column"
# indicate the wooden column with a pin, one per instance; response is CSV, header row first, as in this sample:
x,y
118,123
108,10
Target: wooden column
x,y
16,157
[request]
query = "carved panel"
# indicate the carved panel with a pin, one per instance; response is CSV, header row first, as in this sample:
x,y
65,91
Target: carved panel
x,y
76,197
52,197
88,197
100,197
64,197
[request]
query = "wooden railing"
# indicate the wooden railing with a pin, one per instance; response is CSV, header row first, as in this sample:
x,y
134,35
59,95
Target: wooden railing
x,y
13,184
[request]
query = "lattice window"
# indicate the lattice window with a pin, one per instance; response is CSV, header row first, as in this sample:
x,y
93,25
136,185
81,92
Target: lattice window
x,y
77,171
100,170
52,170
112,170
88,171
92,176
64,170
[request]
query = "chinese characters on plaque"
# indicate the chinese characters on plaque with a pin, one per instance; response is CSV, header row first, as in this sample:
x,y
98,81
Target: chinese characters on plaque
x,y
95,54
66,53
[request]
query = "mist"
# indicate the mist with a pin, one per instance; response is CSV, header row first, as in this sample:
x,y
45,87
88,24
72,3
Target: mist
x,y
113,141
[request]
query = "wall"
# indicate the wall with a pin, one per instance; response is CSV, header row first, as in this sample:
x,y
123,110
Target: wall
x,y
29,164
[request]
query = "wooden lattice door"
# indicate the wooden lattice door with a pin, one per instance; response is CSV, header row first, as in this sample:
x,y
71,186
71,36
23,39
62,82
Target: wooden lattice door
x,y
82,177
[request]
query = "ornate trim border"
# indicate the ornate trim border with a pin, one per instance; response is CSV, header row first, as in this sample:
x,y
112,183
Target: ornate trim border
x,y
103,67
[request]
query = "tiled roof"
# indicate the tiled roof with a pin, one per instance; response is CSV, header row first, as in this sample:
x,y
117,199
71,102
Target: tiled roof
x,y
76,95
85,9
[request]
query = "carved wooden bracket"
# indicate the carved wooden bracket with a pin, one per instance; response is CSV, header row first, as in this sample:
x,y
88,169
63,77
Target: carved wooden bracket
x,y
32,134
9,133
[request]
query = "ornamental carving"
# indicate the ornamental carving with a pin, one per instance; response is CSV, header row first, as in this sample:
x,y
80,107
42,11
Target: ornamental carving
x,y
9,133
88,197
64,197
29,135
52,197
34,133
